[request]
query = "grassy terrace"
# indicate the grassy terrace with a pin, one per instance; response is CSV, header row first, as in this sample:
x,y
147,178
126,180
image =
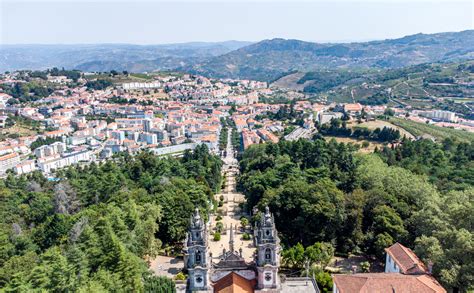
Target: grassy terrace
x,y
440,133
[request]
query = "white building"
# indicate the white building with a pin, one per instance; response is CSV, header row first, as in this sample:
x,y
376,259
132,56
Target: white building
x,y
8,161
25,167
149,138
50,150
64,161
140,85
444,116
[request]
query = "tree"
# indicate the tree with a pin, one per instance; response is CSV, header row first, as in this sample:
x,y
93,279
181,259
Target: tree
x,y
319,254
365,266
324,280
450,254
53,273
294,257
244,222
99,84
219,227
389,112
159,284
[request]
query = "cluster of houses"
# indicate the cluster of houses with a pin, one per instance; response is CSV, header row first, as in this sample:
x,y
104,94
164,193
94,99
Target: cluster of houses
x,y
164,113
404,272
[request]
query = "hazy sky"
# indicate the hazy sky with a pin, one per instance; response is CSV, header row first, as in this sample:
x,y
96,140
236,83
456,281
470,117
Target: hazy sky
x,y
158,22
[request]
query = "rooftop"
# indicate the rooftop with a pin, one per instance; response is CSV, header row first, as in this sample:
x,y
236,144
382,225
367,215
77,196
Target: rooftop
x,y
406,259
386,282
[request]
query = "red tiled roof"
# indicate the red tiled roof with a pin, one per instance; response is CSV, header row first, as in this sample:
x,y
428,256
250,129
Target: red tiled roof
x,y
386,282
8,156
234,283
353,107
406,259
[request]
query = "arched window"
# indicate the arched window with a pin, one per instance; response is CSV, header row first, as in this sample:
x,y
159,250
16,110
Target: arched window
x,y
198,257
268,255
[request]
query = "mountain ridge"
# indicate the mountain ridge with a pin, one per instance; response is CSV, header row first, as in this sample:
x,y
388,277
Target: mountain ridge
x,y
270,59
266,60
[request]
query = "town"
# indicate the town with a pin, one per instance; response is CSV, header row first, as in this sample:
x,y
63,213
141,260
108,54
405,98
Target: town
x,y
89,117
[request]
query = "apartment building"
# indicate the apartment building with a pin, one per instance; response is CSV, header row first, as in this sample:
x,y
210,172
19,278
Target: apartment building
x,y
8,161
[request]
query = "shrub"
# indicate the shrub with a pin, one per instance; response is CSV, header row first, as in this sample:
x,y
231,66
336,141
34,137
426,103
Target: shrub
x,y
180,276
160,284
217,236
244,222
219,227
324,281
246,236
365,266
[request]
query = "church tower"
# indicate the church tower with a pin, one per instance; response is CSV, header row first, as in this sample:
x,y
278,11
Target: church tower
x,y
196,258
268,252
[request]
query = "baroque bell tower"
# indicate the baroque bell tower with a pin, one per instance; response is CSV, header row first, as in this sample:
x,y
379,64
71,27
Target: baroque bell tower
x,y
196,256
268,252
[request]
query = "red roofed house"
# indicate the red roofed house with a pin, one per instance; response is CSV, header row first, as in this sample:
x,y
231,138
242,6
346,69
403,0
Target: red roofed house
x,y
385,283
401,259
352,109
404,272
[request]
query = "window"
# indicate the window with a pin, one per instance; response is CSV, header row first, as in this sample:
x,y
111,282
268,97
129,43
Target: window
x,y
268,255
268,277
268,232
199,279
197,235
198,257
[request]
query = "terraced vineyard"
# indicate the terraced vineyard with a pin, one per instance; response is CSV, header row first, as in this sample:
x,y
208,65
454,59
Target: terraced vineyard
x,y
439,133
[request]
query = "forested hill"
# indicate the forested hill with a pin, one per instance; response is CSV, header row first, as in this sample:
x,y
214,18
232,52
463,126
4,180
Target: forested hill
x,y
419,194
270,59
92,230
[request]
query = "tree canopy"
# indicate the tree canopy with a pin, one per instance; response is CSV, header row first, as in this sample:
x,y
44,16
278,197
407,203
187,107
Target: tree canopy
x,y
323,192
91,230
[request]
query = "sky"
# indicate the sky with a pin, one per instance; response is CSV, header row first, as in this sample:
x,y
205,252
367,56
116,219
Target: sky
x,y
163,22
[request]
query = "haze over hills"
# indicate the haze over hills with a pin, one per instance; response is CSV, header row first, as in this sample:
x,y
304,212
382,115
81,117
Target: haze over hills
x,y
105,57
266,60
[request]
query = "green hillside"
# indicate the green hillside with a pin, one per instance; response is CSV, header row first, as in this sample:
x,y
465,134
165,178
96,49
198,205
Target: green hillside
x,y
445,86
439,133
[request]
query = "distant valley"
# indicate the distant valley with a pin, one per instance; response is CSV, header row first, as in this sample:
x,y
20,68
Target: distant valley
x,y
267,60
